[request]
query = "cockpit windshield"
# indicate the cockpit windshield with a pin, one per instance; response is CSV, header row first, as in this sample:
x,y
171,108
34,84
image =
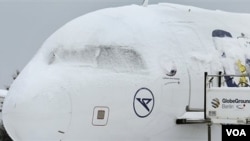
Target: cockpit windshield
x,y
102,57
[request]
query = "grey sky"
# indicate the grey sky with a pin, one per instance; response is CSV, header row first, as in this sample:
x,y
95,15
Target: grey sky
x,y
26,24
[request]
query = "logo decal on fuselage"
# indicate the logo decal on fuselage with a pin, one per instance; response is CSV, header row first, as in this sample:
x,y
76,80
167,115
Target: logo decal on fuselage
x,y
143,102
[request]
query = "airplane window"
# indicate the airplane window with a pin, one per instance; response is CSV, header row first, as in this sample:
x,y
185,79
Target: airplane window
x,y
122,59
84,56
221,33
103,57
100,114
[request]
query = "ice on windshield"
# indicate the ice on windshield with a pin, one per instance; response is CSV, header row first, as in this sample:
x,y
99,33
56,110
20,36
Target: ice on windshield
x,y
102,57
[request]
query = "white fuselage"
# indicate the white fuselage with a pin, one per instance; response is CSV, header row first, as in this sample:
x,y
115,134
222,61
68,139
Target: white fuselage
x,y
125,74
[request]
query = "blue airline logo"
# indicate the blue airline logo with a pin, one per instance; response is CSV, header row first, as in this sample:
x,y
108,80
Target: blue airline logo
x,y
143,103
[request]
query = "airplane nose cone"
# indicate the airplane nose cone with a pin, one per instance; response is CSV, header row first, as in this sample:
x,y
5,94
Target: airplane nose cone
x,y
42,114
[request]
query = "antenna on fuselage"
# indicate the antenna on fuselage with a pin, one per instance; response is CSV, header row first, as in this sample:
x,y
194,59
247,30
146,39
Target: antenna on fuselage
x,y
145,3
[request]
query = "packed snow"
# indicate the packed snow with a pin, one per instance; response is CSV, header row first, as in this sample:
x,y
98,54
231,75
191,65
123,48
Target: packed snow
x,y
123,44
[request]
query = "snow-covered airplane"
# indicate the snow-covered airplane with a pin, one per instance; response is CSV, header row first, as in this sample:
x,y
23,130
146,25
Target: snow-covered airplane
x,y
135,73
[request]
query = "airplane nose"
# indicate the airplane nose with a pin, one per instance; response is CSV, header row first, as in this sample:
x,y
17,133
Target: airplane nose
x,y
42,114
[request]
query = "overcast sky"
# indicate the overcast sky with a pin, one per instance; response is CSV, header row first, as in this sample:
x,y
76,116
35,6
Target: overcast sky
x,y
26,24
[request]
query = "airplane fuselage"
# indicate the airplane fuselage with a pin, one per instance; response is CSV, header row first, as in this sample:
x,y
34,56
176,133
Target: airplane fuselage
x,y
126,74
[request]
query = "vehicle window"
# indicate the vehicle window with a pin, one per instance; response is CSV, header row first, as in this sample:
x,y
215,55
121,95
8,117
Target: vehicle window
x,y
119,59
102,57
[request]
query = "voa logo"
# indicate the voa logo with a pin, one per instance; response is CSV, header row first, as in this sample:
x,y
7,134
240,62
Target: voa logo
x,y
236,132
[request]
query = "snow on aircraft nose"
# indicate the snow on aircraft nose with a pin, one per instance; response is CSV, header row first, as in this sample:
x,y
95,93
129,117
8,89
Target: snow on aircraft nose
x,y
30,112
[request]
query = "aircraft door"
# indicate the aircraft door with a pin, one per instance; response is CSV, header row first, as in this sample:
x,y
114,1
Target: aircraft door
x,y
193,59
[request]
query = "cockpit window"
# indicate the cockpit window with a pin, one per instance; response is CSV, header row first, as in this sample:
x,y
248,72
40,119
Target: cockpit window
x,y
221,33
119,58
102,57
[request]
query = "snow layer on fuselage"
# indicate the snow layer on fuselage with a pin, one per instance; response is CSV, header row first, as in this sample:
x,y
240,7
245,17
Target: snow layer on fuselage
x,y
182,34
154,31
165,37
